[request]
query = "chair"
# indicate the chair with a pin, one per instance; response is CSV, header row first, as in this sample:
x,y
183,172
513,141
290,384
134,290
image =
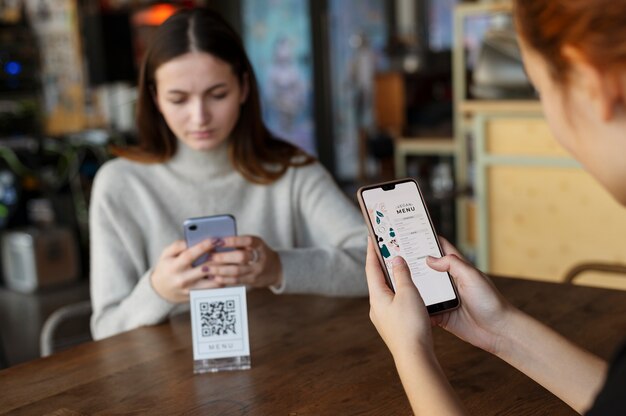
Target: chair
x,y
613,268
75,317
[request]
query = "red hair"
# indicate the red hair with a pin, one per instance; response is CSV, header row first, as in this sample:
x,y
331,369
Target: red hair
x,y
597,28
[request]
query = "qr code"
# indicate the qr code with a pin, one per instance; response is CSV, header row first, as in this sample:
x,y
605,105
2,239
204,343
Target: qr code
x,y
218,318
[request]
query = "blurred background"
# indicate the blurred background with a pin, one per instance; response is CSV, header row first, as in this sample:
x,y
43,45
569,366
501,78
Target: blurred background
x,y
376,89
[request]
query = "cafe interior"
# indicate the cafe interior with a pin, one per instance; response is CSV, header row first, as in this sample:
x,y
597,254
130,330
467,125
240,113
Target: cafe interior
x,y
433,90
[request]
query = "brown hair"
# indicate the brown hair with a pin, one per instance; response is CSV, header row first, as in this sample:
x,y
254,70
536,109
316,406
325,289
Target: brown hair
x,y
595,27
253,151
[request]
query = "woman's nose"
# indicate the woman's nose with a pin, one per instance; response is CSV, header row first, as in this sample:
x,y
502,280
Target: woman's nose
x,y
200,113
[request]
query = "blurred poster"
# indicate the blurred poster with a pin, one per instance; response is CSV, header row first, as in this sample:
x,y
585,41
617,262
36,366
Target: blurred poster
x,y
357,38
441,24
277,36
10,11
56,27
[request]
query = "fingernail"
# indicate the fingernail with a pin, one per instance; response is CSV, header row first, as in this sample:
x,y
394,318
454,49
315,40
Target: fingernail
x,y
218,242
205,269
431,258
398,261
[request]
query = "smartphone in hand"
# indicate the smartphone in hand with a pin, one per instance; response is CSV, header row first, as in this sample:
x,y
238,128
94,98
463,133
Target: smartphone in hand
x,y
199,229
399,224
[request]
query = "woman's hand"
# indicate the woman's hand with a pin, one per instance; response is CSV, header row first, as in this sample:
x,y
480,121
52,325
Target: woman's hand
x,y
486,320
401,319
251,262
403,322
174,276
484,314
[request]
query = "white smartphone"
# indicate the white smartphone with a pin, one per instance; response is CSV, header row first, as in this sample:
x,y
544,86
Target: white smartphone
x,y
399,223
199,229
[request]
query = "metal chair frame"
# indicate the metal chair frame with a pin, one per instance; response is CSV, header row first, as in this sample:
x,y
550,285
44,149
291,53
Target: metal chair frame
x,y
51,325
571,275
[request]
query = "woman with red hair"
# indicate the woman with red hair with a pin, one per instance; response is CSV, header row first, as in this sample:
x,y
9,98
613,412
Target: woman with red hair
x,y
575,54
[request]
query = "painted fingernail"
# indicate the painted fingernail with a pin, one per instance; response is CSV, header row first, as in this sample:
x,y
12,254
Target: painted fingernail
x,y
205,269
218,242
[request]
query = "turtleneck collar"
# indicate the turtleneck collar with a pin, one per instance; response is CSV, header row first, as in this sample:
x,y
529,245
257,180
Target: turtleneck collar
x,y
214,162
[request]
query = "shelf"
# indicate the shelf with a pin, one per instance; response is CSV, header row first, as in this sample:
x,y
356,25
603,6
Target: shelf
x,y
473,8
499,106
426,145
411,146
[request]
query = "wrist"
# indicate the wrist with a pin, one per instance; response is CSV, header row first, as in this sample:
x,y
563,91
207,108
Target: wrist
x,y
506,338
420,355
277,272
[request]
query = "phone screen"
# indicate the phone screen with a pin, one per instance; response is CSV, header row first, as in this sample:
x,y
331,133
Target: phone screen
x,y
402,227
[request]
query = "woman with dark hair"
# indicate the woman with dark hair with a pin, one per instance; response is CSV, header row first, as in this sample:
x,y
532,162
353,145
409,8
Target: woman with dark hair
x,y
575,54
204,150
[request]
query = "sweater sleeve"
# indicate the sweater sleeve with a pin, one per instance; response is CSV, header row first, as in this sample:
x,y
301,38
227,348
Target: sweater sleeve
x,y
331,237
122,296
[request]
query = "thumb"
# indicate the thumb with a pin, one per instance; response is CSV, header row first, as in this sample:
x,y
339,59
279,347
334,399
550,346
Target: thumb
x,y
401,274
448,248
450,263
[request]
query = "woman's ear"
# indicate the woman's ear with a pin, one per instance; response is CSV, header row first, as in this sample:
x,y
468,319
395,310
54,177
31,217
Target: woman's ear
x,y
245,88
604,88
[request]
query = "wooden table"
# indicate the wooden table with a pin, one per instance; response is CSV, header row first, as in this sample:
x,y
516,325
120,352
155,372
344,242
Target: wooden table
x,y
310,356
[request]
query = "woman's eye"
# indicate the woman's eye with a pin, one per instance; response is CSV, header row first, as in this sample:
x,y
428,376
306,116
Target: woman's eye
x,y
220,96
177,101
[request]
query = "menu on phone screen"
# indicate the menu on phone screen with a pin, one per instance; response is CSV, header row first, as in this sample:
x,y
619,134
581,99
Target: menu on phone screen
x,y
402,228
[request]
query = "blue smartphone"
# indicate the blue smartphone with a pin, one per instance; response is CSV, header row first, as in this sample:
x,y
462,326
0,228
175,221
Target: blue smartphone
x,y
214,226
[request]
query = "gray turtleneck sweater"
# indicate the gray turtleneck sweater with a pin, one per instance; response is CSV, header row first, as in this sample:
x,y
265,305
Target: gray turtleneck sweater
x,y
138,209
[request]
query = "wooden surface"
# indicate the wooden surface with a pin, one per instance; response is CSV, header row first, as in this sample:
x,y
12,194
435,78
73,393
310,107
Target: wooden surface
x,y
522,136
544,221
310,356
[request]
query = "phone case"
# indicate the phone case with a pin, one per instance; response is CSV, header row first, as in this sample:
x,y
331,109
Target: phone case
x,y
199,229
388,250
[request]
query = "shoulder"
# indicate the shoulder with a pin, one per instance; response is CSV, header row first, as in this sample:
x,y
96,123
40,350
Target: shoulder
x,y
117,176
305,179
313,183
114,169
311,173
